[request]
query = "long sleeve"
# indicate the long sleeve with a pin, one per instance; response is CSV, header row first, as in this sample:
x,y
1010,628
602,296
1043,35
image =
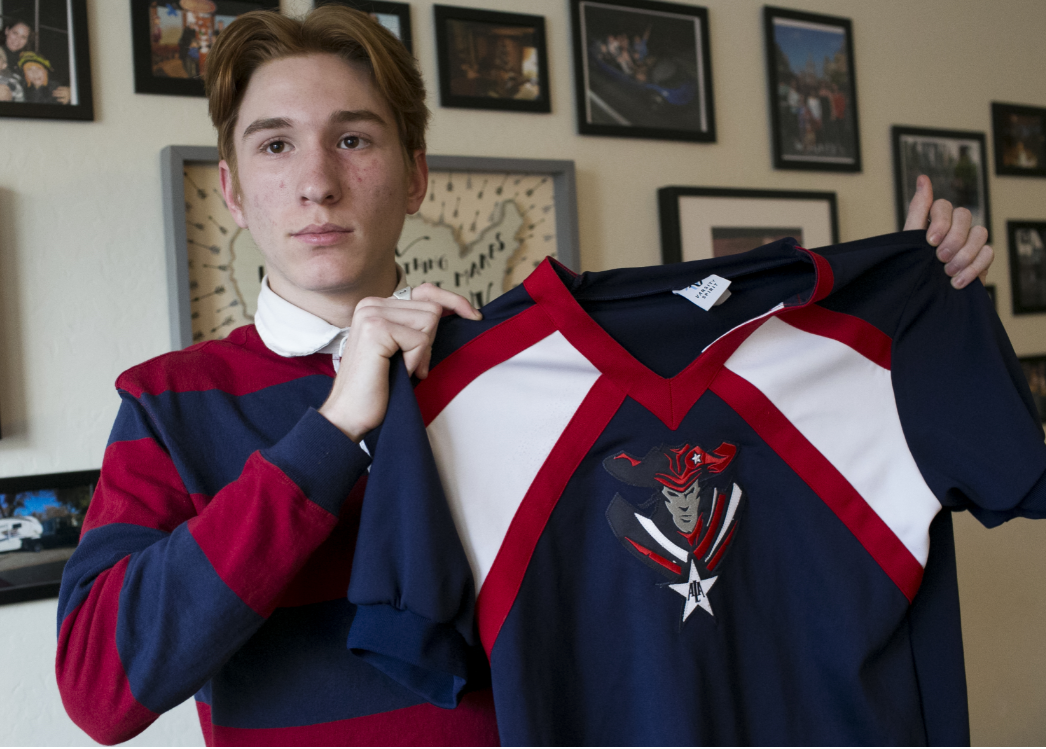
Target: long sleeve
x,y
169,582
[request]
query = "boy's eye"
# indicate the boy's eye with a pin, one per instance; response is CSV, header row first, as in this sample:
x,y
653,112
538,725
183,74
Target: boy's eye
x,y
350,141
277,146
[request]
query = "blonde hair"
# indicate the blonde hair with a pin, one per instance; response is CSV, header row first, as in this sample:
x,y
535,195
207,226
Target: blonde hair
x,y
261,36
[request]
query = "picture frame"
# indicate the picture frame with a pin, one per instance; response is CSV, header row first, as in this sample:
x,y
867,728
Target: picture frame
x,y
1019,140
47,74
484,225
956,163
40,522
492,60
698,223
393,16
1027,254
812,89
1035,371
656,86
172,38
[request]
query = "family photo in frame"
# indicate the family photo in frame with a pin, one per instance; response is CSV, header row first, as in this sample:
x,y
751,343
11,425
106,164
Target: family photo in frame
x,y
45,68
1019,139
492,60
954,160
643,70
1027,252
813,93
393,16
172,40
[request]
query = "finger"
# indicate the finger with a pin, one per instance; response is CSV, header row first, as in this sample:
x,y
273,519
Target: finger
x,y
957,237
448,300
977,268
919,208
942,221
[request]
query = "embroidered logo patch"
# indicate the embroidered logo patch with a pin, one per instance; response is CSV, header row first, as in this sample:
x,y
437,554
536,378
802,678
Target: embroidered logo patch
x,y
683,530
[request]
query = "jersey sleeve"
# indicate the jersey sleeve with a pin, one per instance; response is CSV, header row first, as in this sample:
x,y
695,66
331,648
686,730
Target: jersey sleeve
x,y
964,403
165,586
411,581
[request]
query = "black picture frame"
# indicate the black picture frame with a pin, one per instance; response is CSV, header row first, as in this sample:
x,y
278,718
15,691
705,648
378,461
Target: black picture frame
x,y
1027,252
467,43
393,16
158,46
657,87
1035,372
746,219
58,36
813,112
1019,140
33,556
956,161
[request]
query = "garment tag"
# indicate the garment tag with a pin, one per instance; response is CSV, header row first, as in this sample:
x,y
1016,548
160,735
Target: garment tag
x,y
706,293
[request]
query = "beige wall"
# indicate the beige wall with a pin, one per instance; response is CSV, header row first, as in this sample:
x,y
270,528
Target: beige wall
x,y
83,289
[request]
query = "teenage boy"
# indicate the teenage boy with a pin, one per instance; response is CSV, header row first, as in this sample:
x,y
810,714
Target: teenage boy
x,y
215,557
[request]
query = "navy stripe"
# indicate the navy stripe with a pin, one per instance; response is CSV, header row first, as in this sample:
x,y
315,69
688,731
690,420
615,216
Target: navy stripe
x,y
297,671
99,549
177,620
131,422
210,434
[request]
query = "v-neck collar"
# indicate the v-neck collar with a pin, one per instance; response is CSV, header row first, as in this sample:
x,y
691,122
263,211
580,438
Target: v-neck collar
x,y
668,398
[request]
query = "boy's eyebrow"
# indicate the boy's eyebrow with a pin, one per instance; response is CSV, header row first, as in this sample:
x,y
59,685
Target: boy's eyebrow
x,y
270,123
341,117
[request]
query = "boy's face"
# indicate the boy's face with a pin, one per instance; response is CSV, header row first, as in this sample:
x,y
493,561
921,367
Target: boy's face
x,y
35,74
323,185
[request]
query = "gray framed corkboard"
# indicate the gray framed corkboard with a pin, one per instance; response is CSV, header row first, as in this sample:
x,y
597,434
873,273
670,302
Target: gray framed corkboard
x,y
484,225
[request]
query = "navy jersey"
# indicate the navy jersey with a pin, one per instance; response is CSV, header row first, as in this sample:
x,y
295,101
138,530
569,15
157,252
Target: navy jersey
x,y
681,526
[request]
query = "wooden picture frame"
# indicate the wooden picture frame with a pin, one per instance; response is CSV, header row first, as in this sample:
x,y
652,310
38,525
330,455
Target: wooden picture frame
x,y
483,226
171,62
1026,241
55,51
643,69
813,91
492,60
393,16
1019,140
40,522
956,163
698,223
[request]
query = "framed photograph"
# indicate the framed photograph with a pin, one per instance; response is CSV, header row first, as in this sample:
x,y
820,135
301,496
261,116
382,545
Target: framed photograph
x,y
1027,244
171,41
484,225
813,91
705,222
643,70
45,68
40,522
491,60
1019,137
393,16
954,160
1035,370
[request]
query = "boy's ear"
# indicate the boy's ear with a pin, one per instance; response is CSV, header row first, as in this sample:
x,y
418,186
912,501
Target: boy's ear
x,y
230,195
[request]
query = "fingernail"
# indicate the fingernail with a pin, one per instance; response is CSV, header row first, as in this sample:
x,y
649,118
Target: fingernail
x,y
958,282
934,239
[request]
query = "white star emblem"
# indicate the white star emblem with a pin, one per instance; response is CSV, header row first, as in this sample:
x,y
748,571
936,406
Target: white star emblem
x,y
695,591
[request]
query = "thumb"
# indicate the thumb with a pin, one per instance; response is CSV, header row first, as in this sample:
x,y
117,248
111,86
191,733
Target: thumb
x,y
919,208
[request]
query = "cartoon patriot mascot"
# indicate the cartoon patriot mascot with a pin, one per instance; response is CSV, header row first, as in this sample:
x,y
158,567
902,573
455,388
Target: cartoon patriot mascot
x,y
690,526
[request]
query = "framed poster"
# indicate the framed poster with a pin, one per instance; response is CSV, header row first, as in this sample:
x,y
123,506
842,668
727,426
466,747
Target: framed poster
x,y
393,16
1019,139
172,38
45,67
484,225
698,223
954,160
813,91
40,522
643,70
1027,247
491,60
1035,370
